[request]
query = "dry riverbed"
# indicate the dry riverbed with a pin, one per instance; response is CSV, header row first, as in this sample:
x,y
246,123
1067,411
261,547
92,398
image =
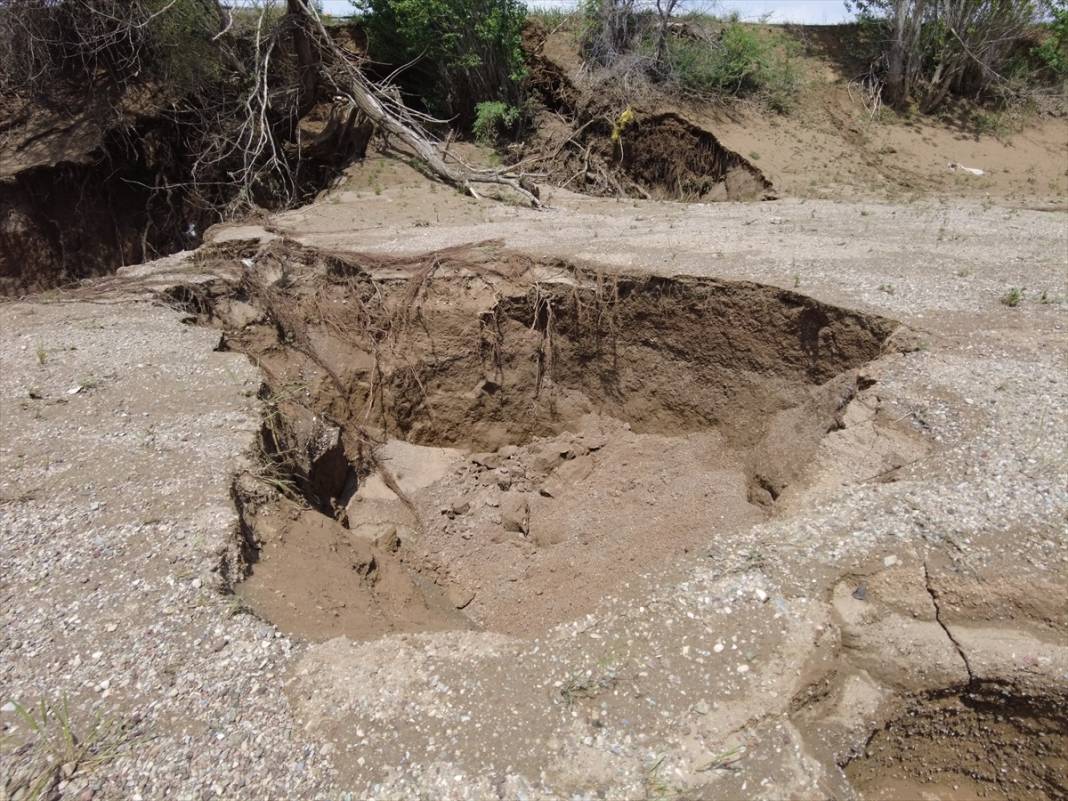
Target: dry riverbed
x,y
616,499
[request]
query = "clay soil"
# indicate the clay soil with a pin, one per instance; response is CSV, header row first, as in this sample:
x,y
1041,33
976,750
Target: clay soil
x,y
478,439
967,749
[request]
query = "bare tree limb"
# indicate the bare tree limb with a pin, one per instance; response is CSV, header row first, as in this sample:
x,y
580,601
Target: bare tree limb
x,y
396,120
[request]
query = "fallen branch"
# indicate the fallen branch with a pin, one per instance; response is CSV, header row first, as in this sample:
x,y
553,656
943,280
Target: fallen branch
x,y
338,68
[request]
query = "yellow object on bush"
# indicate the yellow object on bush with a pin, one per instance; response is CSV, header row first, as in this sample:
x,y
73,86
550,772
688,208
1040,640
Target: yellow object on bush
x,y
622,121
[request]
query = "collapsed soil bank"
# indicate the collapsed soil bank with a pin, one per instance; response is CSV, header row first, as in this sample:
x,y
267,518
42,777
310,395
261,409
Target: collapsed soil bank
x,y
90,207
537,389
592,140
95,178
80,203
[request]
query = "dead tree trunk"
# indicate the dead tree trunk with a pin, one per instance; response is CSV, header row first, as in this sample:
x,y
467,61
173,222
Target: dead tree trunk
x,y
307,69
664,10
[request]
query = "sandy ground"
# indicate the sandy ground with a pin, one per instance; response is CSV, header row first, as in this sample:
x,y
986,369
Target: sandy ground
x,y
832,150
748,667
829,145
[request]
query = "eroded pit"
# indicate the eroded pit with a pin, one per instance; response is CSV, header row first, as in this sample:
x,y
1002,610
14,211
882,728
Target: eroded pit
x,y
476,438
965,747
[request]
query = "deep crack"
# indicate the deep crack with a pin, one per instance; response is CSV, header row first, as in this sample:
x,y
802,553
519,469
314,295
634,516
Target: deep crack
x,y
945,628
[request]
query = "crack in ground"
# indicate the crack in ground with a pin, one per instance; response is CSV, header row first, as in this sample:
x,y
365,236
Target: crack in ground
x,y
938,618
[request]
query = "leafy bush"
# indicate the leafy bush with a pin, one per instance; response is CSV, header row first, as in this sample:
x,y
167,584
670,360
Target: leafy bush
x,y
462,52
742,63
494,119
1052,52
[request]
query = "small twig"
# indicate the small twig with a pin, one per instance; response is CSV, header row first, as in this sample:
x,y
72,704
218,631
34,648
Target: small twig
x,y
227,27
892,469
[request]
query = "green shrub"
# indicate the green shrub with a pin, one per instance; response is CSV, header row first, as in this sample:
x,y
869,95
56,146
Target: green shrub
x,y
742,63
462,52
494,119
1052,53
1013,297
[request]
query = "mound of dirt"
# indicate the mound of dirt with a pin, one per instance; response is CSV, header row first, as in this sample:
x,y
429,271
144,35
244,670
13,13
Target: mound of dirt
x,y
591,141
485,432
671,157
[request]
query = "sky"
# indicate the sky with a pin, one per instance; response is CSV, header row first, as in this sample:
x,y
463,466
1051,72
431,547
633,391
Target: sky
x,y
813,12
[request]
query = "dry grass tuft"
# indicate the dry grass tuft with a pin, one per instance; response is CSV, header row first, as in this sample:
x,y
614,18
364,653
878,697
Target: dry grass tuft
x,y
59,751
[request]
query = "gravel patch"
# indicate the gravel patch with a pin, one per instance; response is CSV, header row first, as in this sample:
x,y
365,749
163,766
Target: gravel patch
x,y
122,430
